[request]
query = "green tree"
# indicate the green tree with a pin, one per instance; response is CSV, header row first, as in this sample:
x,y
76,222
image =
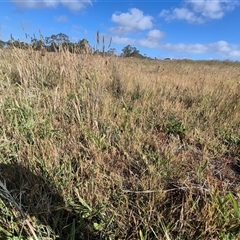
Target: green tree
x,y
2,44
83,44
129,51
112,52
54,42
18,44
36,44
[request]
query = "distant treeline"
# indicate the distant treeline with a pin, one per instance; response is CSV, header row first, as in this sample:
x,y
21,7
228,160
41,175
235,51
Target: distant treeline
x,y
61,41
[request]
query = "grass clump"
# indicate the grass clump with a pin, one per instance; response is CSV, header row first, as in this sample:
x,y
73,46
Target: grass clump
x,y
132,149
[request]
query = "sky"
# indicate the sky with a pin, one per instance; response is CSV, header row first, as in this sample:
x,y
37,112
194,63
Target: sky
x,y
194,29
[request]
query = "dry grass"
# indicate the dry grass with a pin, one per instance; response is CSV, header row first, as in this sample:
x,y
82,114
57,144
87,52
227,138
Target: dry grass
x,y
132,149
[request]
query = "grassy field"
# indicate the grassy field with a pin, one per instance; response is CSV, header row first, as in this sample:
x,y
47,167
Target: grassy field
x,y
118,148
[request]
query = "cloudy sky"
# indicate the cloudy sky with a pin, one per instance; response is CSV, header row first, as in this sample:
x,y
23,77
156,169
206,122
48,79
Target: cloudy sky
x,y
196,29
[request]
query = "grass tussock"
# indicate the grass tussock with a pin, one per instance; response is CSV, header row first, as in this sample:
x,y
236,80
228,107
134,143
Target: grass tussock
x,y
132,149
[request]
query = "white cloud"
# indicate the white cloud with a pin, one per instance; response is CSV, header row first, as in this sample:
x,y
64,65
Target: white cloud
x,y
225,49
39,4
221,48
148,43
234,54
132,21
144,42
124,40
61,18
185,48
155,34
200,11
212,9
151,40
76,5
181,14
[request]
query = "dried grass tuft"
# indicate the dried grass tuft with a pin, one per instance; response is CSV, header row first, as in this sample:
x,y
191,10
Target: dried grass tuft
x,y
43,51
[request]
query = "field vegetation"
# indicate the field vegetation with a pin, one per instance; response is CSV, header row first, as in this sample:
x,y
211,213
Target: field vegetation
x,y
96,147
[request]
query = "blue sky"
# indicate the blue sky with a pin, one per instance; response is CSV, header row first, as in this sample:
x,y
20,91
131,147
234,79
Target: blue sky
x,y
196,29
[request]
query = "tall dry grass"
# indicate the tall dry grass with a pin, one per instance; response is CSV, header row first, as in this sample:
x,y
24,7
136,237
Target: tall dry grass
x,y
135,149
